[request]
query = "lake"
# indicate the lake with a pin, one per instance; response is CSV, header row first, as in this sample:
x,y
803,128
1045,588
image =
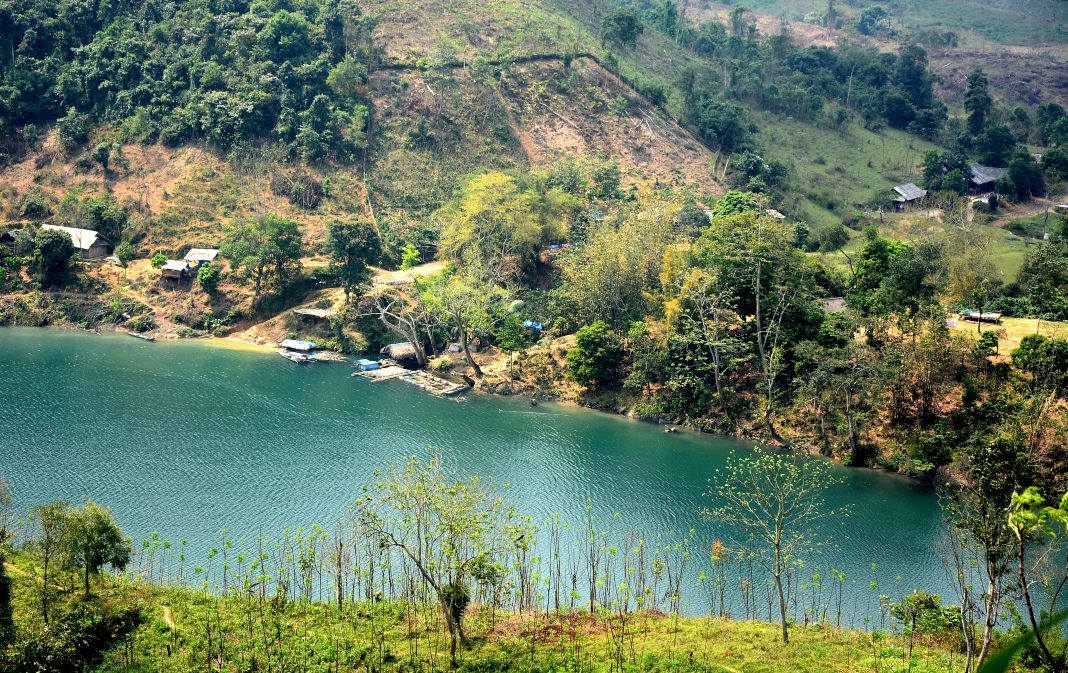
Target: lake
x,y
185,438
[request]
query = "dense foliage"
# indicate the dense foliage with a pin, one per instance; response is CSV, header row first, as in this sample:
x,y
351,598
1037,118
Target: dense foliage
x,y
226,72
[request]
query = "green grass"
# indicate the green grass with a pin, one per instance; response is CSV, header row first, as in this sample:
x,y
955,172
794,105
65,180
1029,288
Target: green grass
x,y
837,172
184,629
1006,249
1015,22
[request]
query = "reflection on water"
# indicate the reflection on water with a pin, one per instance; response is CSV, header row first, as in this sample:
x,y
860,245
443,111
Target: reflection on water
x,y
184,439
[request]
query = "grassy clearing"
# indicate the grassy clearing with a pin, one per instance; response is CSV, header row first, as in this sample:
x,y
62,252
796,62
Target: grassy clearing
x,y
1012,330
187,630
842,170
1015,22
1005,248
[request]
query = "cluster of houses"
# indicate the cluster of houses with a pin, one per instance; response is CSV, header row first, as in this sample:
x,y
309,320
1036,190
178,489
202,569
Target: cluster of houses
x,y
982,183
90,245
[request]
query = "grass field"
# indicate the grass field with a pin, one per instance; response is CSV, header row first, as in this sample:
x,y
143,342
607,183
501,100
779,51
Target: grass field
x,y
1010,22
844,170
186,630
1004,247
1012,330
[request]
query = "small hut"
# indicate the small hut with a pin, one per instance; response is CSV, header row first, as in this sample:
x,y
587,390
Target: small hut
x,y
196,257
401,351
907,194
90,244
984,177
174,269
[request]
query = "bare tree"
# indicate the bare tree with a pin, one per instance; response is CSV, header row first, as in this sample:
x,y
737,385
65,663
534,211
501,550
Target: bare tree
x,y
402,314
453,532
774,504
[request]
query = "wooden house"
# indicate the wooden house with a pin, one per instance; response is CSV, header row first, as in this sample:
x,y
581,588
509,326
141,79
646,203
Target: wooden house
x,y
174,269
907,195
90,244
984,177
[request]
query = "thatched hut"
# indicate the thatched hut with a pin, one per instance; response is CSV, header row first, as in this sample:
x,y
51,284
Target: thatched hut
x,y
401,351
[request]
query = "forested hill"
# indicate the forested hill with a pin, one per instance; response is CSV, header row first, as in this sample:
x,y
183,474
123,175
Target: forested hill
x,y
413,94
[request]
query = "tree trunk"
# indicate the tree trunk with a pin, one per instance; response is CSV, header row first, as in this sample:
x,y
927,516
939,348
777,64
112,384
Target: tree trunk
x,y
1053,664
782,606
467,354
87,579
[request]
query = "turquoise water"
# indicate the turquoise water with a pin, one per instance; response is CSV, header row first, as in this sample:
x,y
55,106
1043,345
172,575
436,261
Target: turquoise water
x,y
183,438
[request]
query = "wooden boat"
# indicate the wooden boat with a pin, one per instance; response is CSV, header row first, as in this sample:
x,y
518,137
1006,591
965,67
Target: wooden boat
x,y
299,358
143,337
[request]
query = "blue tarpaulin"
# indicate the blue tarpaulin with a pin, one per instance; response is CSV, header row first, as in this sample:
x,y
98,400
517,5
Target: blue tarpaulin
x,y
367,365
532,325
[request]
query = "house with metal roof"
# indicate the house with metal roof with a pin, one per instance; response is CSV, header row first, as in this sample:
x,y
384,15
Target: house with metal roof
x,y
984,177
174,268
90,244
198,256
907,194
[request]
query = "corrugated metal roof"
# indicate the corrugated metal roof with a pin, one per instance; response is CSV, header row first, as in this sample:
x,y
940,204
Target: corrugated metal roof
x,y
201,255
83,239
174,265
297,345
910,192
982,175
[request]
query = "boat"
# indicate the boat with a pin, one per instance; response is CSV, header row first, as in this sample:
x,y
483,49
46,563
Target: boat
x,y
299,358
143,337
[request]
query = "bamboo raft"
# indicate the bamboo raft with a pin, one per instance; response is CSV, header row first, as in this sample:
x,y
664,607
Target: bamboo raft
x,y
435,385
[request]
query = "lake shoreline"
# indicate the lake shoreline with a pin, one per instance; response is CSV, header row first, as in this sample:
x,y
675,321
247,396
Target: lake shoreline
x,y
490,392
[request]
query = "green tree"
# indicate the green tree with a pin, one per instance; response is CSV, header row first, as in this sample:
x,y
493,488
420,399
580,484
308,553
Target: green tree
x,y
410,257
353,245
977,102
285,37
124,253
621,28
453,531
596,359
733,203
158,260
510,336
53,252
995,145
267,249
467,301
774,506
954,181
50,547
208,277
495,221
7,612
94,540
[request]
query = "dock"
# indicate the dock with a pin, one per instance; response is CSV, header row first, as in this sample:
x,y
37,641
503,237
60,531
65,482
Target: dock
x,y
435,385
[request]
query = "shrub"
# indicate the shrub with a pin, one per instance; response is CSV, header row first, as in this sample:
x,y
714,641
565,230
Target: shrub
x,y
158,260
595,359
